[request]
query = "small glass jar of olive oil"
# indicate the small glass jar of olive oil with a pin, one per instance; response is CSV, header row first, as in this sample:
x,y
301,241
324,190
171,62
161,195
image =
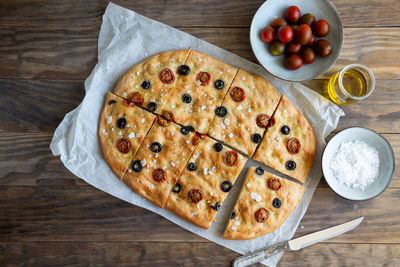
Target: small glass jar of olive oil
x,y
354,83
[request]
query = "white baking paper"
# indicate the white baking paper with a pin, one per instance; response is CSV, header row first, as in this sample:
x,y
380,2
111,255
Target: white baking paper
x,y
126,38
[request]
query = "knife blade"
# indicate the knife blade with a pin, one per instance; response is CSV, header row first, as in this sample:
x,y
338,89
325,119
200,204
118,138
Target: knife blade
x,y
296,244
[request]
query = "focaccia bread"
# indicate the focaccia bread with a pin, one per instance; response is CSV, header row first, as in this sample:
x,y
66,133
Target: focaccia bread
x,y
264,203
288,145
205,182
149,83
160,160
122,128
245,112
200,90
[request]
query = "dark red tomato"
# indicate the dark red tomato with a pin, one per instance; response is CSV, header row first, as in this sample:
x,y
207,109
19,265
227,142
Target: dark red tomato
x,y
302,34
276,48
312,40
292,62
293,48
321,28
322,47
268,34
292,14
123,145
308,19
278,22
308,55
261,215
285,34
293,146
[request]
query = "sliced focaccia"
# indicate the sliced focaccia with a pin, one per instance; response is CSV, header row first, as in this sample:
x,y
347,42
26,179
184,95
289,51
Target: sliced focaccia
x,y
205,182
122,128
264,203
288,145
160,160
148,83
245,112
200,89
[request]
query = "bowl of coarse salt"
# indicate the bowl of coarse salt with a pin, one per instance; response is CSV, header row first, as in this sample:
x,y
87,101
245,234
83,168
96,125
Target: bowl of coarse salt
x,y
358,163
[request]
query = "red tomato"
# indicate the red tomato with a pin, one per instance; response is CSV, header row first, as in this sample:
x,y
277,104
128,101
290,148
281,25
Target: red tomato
x,y
268,34
321,28
302,34
278,22
308,57
292,14
293,48
285,34
312,40
292,62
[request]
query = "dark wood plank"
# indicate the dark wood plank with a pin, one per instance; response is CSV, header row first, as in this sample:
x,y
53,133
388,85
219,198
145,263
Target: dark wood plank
x,y
71,53
81,213
220,13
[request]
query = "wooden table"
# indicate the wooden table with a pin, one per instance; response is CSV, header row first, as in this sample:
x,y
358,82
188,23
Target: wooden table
x,y
49,216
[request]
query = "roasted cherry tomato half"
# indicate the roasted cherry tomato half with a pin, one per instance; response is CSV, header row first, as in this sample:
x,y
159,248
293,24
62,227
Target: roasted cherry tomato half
x,y
261,215
159,175
237,94
308,55
195,196
168,115
285,34
292,14
321,28
167,76
123,145
278,22
274,184
322,47
293,145
268,34
203,77
231,158
136,98
276,48
302,34
271,122
262,120
292,62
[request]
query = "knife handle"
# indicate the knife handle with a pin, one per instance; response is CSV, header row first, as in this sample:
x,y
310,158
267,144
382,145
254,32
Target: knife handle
x,y
260,255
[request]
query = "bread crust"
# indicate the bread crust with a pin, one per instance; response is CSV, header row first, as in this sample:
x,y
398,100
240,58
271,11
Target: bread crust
x,y
211,172
240,123
272,150
254,195
138,122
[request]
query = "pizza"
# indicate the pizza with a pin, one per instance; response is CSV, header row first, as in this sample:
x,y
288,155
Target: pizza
x,y
205,182
148,83
289,143
160,160
245,112
264,203
122,128
200,89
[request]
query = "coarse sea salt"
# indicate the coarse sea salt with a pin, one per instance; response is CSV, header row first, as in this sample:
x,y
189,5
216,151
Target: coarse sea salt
x,y
355,164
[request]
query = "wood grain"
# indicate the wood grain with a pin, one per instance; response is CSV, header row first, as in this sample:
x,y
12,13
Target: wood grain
x,y
354,13
71,53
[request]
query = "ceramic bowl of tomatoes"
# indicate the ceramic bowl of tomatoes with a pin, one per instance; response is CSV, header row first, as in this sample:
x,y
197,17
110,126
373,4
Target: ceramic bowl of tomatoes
x,y
297,40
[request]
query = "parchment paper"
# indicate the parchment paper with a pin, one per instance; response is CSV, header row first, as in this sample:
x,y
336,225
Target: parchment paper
x,y
125,39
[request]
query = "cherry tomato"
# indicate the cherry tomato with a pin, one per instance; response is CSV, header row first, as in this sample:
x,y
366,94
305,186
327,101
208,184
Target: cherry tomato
x,y
292,14
322,47
293,48
321,28
285,34
308,55
278,22
268,34
276,48
312,40
308,19
292,62
302,34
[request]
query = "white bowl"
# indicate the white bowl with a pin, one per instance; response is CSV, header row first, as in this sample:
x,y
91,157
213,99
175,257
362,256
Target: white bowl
x,y
386,165
321,9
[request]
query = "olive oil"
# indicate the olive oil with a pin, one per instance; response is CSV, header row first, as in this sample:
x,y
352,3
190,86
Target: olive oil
x,y
350,85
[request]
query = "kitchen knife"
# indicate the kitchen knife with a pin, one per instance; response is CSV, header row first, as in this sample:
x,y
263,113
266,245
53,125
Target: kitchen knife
x,y
296,244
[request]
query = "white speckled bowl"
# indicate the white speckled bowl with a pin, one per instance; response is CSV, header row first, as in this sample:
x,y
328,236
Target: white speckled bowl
x,y
386,165
271,9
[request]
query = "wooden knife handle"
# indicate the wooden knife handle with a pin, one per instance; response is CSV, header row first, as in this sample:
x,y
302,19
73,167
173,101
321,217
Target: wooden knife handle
x,y
260,255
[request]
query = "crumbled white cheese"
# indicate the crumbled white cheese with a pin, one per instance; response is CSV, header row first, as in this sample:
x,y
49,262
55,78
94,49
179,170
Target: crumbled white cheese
x,y
104,132
277,139
203,107
173,105
172,164
220,72
137,135
233,228
223,126
136,86
255,196
143,162
229,70
230,135
248,185
131,135
237,223
151,186
243,78
200,59
211,193
130,170
137,73
109,119
187,141
205,171
112,129
142,120
240,107
124,94
198,205
196,156
226,121
120,133
194,213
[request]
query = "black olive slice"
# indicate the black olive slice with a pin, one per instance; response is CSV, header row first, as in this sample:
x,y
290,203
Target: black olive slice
x,y
221,111
137,166
219,84
121,123
290,165
285,130
260,171
226,186
152,106
276,203
218,147
256,138
192,166
177,188
184,70
146,84
156,147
